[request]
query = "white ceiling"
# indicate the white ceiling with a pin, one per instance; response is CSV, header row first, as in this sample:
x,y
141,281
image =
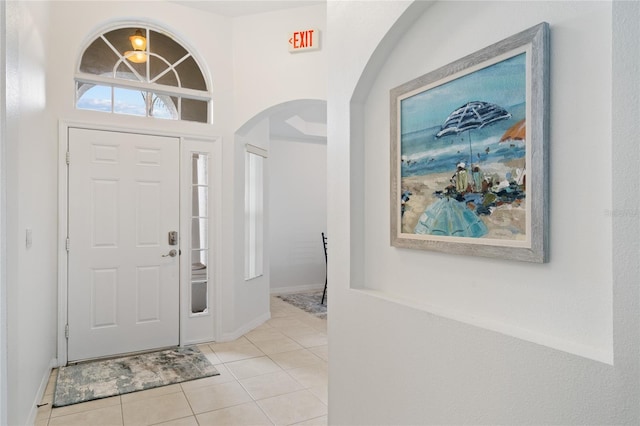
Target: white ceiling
x,y
235,8
300,120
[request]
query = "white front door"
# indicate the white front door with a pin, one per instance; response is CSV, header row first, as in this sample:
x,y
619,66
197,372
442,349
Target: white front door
x,y
123,289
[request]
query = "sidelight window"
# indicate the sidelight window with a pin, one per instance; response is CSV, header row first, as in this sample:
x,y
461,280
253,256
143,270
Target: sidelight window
x,y
254,212
200,268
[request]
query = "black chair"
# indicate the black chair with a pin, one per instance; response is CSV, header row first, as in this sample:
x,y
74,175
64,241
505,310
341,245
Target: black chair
x,y
324,243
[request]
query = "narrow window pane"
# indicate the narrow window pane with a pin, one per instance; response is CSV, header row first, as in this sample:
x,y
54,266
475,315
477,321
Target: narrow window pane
x,y
168,79
130,102
200,169
162,106
190,74
193,110
166,47
94,97
198,297
156,67
200,198
199,264
254,215
98,58
199,234
199,229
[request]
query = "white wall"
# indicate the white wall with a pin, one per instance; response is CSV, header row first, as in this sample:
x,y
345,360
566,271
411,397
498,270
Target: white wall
x,y
494,341
45,41
251,297
3,224
265,73
31,203
266,76
535,302
298,214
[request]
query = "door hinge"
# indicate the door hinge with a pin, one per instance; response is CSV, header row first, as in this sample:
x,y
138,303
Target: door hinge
x,y
68,158
67,244
66,331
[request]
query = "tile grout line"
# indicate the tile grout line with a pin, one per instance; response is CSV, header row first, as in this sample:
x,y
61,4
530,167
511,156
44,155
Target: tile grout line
x,y
193,413
293,318
255,401
121,410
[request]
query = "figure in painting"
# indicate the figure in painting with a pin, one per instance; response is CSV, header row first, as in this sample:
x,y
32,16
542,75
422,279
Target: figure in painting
x,y
477,178
406,196
461,178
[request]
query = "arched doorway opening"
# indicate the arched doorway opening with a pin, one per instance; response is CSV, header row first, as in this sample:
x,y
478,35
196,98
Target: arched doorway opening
x,y
292,139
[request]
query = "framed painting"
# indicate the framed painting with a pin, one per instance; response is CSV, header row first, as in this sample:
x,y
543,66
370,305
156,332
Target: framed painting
x,y
469,153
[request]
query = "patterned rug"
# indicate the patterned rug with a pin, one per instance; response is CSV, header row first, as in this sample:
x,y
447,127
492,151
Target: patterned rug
x,y
308,302
101,379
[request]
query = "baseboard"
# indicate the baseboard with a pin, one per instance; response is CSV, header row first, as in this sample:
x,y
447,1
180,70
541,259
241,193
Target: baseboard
x,y
228,337
197,342
41,390
296,289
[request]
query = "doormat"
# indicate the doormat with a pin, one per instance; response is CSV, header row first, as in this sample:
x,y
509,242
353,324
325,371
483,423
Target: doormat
x,y
308,302
102,379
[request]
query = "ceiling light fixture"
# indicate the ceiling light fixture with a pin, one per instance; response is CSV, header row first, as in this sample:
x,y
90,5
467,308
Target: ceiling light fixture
x,y
139,44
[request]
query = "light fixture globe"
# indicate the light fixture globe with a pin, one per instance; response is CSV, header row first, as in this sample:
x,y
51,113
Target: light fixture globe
x,y
139,44
138,41
136,56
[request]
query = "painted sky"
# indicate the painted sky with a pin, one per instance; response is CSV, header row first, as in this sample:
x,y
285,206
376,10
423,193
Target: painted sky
x,y
503,83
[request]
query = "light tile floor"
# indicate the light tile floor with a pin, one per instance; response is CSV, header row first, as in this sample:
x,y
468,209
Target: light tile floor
x,y
273,375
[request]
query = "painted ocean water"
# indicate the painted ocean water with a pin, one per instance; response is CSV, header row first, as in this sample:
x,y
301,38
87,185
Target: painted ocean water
x,y
422,153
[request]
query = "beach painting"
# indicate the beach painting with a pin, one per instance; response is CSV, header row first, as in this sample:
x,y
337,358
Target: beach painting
x,y
462,162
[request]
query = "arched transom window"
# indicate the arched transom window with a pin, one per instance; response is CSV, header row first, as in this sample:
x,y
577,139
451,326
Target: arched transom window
x,y
141,71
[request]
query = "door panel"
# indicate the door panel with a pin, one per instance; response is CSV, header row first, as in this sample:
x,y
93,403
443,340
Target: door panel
x,y
123,201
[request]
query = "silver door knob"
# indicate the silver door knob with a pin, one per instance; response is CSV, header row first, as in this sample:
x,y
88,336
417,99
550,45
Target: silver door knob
x,y
172,253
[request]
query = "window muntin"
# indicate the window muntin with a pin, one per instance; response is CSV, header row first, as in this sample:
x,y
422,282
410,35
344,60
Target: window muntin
x,y
169,83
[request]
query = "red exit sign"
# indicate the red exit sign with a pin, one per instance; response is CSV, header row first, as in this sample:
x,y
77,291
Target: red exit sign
x,y
304,40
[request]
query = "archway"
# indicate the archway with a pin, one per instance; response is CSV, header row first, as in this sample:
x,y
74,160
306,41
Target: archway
x,y
293,137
